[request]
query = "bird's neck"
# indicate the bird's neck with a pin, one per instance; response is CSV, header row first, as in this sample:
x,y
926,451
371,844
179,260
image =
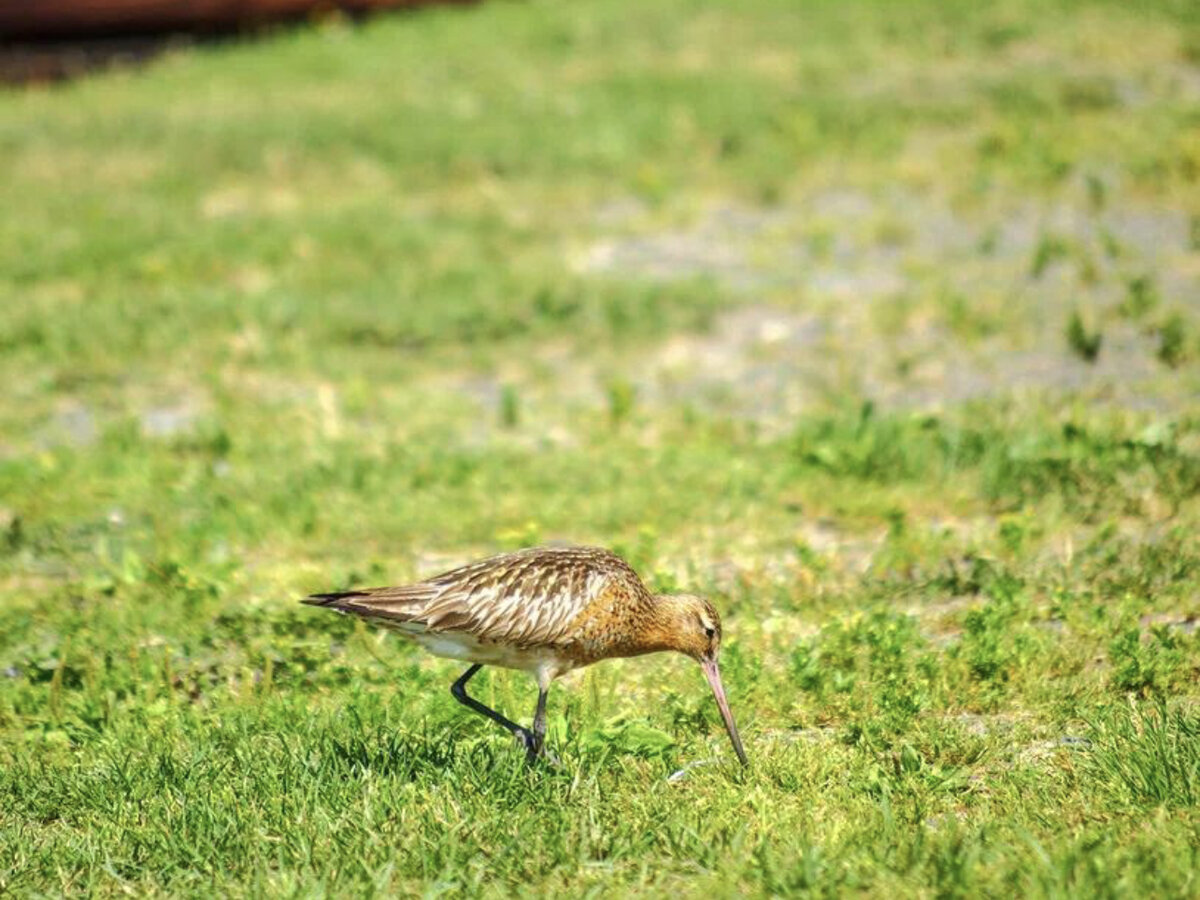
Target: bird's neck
x,y
659,628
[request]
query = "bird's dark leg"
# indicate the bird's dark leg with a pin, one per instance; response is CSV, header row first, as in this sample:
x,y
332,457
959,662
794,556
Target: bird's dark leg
x,y
459,690
539,726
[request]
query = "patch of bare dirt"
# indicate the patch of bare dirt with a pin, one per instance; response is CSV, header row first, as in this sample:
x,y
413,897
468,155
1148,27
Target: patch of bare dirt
x,y
904,298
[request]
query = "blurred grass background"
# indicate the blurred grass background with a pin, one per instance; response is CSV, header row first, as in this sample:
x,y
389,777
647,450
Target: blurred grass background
x,y
878,323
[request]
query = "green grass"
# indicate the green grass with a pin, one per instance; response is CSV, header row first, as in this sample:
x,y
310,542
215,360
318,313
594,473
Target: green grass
x,y
875,325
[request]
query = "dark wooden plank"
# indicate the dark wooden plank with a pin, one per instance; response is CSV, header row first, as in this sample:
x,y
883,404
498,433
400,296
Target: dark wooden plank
x,y
25,20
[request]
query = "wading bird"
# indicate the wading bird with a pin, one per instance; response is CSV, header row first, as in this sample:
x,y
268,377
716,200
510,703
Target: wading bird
x,y
546,611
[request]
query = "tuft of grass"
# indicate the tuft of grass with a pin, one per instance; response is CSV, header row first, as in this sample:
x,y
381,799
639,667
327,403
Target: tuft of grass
x,y
1089,94
621,399
1172,341
1050,250
1141,297
1082,341
510,406
1147,754
1147,664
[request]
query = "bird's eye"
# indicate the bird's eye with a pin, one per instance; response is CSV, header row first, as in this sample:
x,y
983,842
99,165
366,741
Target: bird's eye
x,y
710,632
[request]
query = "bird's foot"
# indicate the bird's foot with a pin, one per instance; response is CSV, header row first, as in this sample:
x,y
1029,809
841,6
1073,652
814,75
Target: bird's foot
x,y
535,749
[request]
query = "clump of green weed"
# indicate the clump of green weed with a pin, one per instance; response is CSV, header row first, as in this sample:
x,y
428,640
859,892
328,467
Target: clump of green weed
x,y
873,667
1084,342
1050,249
1127,567
870,447
1089,94
621,397
966,319
1189,47
1141,296
1172,341
510,406
994,645
621,735
1150,665
1097,192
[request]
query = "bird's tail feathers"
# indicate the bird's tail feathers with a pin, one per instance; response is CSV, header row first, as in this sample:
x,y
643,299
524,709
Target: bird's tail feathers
x,y
333,599
404,603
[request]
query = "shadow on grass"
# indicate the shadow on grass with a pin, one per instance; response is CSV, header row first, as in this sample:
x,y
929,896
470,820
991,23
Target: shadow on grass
x,y
413,756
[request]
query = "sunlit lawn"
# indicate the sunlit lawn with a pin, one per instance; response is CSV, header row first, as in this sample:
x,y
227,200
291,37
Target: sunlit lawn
x,y
877,323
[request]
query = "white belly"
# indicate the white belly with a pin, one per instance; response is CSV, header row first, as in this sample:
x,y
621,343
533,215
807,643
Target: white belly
x,y
468,648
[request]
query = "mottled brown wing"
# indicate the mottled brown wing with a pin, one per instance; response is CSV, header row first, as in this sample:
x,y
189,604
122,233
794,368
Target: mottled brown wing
x,y
526,598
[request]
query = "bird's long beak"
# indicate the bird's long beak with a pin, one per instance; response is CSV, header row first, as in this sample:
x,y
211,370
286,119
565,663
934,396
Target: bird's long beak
x,y
713,674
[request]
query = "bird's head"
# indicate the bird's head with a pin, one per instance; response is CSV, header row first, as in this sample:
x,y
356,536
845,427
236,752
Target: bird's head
x,y
692,626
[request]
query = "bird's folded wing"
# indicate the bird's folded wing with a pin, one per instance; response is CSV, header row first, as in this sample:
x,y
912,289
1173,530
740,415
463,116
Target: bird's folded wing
x,y
524,598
